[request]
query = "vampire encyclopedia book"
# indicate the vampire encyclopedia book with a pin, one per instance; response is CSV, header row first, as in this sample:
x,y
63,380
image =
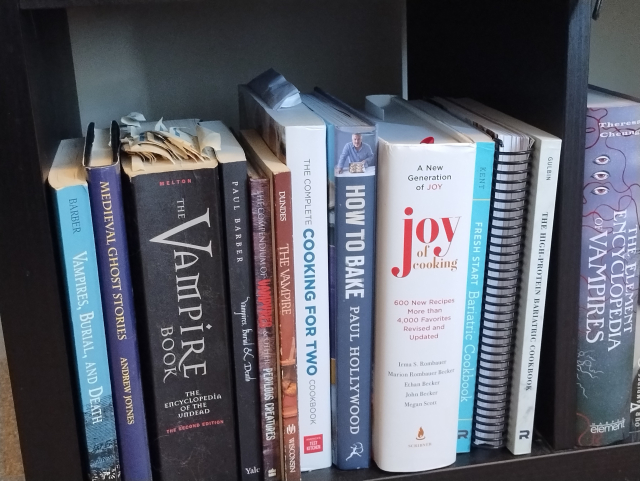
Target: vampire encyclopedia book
x,y
235,199
267,330
177,258
80,267
102,163
609,269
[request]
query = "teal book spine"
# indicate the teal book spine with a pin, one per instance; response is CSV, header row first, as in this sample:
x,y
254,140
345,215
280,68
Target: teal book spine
x,y
80,267
475,280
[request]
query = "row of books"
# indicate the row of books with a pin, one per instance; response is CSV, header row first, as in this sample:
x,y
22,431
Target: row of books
x,y
257,286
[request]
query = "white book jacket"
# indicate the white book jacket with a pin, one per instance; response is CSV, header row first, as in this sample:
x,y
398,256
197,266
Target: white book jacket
x,y
425,194
297,137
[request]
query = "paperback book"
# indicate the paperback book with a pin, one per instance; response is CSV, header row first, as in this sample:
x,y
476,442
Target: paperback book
x,y
67,180
609,270
102,164
279,176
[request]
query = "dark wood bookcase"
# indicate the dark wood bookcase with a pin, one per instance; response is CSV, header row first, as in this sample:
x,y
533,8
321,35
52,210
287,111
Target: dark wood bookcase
x,y
528,58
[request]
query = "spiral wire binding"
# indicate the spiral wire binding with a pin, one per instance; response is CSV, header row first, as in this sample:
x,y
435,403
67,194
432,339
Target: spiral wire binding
x,y
501,295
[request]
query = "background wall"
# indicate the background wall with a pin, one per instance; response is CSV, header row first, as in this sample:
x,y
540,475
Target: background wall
x,y
152,60
615,47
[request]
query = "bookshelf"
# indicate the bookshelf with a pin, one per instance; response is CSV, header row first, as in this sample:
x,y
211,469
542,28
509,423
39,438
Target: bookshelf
x,y
527,58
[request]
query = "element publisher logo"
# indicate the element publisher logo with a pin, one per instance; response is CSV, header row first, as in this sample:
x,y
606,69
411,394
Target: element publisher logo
x,y
420,436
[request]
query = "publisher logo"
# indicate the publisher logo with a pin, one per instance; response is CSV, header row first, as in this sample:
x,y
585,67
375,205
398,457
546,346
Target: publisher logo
x,y
420,435
312,444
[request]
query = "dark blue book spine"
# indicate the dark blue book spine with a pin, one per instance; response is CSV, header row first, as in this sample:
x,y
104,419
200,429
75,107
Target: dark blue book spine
x,y
105,195
355,215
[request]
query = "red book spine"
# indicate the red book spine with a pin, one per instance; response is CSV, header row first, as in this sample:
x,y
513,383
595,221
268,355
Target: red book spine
x,y
266,327
283,250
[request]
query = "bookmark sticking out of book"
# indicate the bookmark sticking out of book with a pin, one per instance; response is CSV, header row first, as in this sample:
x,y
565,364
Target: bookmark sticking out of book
x,y
274,90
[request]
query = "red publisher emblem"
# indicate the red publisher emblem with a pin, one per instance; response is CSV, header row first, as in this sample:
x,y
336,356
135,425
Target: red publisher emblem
x,y
313,444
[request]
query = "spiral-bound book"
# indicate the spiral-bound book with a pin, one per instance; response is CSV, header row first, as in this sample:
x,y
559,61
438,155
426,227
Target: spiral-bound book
x,y
503,274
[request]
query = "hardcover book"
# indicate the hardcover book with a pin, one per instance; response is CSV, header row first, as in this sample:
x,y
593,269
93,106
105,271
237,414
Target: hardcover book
x,y
298,138
545,166
67,179
485,153
102,164
609,269
236,200
352,148
177,255
424,223
267,326
279,176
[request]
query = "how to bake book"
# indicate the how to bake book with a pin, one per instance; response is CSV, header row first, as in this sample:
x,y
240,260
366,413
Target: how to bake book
x,y
503,274
352,148
279,177
237,223
545,166
425,204
67,179
102,164
297,137
485,153
266,322
175,216
608,269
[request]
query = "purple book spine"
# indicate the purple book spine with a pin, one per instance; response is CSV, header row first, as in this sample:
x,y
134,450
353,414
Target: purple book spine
x,y
107,211
609,274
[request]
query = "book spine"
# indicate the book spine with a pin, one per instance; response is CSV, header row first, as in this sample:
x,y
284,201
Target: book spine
x,y
535,268
267,330
634,412
107,211
608,277
355,216
306,157
422,256
284,268
233,177
475,281
88,331
176,246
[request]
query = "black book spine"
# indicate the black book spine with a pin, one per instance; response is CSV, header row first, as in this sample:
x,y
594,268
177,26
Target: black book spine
x,y
176,247
235,195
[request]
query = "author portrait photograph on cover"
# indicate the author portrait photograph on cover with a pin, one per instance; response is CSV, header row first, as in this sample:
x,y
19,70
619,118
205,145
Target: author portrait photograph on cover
x,y
356,155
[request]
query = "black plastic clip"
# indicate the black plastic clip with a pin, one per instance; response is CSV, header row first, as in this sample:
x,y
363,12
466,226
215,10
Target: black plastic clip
x,y
596,9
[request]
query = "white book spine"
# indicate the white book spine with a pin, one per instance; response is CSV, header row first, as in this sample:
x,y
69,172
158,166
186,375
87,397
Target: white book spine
x,y
542,201
422,255
307,159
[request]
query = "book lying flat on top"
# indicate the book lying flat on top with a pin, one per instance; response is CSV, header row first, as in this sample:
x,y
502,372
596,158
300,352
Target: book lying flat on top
x,y
279,176
608,269
174,210
102,163
425,206
485,153
297,137
545,166
504,268
352,148
67,179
